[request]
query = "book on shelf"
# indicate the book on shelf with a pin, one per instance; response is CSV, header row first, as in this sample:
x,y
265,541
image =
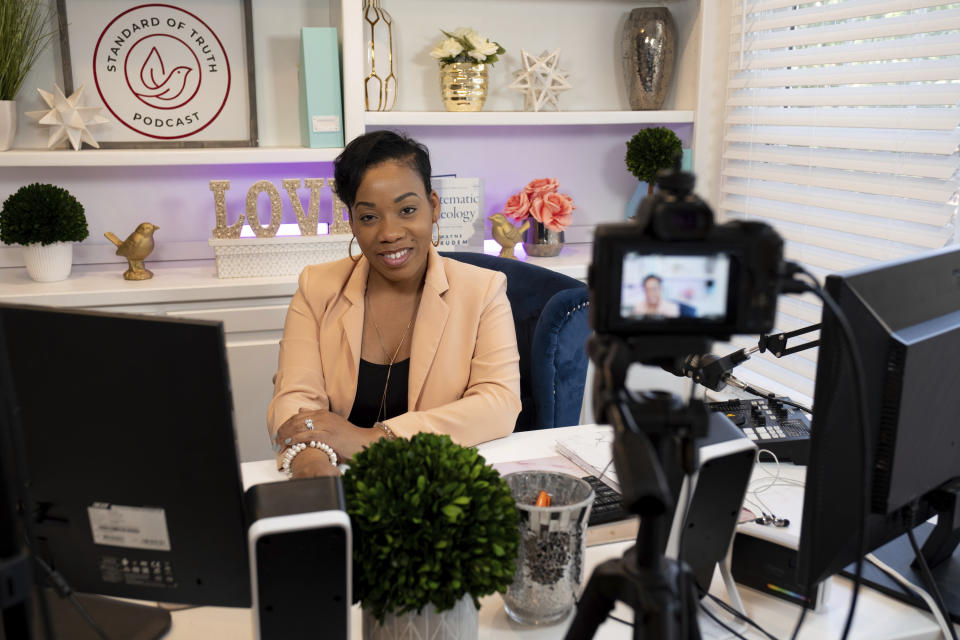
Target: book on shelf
x,y
461,213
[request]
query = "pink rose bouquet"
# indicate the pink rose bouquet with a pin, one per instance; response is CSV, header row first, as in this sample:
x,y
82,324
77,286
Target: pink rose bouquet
x,y
540,200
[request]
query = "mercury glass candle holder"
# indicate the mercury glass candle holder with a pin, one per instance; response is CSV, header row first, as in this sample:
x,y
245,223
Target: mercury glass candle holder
x,y
552,545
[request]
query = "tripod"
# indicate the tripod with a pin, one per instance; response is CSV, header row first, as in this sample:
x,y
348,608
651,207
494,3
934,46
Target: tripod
x,y
653,449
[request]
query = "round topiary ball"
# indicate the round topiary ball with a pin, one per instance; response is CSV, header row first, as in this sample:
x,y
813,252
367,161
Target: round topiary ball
x,y
651,150
431,522
42,213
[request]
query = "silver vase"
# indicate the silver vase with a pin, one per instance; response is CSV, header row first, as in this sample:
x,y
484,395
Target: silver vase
x,y
541,242
648,49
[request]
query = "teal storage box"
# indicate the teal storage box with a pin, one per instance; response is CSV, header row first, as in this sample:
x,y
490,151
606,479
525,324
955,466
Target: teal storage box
x,y
321,107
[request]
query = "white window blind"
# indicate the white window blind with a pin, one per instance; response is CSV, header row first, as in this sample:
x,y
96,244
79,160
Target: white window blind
x,y
840,130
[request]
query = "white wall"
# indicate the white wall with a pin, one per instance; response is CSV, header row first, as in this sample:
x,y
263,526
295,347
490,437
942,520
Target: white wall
x,y
178,199
588,160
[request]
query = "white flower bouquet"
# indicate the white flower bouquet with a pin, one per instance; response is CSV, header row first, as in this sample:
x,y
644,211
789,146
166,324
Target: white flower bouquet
x,y
466,45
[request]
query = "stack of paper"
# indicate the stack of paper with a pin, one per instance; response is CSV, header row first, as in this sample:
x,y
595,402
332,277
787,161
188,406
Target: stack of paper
x,y
591,450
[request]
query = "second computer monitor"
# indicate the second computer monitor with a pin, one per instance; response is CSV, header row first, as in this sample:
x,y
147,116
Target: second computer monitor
x,y
130,453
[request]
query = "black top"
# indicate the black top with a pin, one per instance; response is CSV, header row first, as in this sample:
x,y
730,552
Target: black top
x,y
370,382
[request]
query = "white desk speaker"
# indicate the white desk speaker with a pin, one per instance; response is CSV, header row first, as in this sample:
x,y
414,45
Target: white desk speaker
x,y
300,559
719,486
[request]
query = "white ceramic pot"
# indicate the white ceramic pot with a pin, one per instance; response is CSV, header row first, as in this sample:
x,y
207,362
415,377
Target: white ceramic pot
x,y
459,623
8,123
48,263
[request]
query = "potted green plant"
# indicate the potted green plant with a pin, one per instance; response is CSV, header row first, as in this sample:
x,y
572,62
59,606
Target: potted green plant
x,y
25,30
46,220
649,151
435,528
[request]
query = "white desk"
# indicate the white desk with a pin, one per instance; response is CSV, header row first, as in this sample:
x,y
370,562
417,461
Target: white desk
x,y
877,615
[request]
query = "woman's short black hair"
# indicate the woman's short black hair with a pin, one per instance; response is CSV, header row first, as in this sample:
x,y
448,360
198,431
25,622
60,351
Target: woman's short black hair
x,y
371,149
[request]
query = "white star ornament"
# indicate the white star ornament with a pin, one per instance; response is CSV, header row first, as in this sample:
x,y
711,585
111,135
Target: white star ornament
x,y
540,80
67,119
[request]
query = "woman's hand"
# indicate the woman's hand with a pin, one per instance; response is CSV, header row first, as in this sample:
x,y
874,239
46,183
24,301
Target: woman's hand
x,y
312,463
331,429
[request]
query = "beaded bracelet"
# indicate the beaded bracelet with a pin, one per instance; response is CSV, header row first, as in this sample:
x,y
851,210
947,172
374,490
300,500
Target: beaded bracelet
x,y
387,431
295,449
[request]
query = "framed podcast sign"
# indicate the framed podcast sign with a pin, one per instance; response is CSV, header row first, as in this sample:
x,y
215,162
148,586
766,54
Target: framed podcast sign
x,y
173,74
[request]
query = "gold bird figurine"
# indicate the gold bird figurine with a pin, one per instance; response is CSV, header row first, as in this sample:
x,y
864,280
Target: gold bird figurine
x,y
506,234
135,249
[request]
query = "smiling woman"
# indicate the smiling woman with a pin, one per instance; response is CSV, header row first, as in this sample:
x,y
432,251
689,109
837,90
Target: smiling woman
x,y
394,340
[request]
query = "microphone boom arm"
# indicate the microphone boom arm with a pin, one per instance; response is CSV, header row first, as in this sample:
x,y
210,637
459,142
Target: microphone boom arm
x,y
776,342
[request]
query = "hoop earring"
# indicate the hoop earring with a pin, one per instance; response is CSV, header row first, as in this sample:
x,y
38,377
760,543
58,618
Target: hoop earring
x,y
350,250
436,242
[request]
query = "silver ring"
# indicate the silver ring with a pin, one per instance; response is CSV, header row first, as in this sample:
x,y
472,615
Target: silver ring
x,y
309,424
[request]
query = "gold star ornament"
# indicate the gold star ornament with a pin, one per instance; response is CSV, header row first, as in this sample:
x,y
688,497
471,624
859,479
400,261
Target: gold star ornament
x,y
540,80
67,118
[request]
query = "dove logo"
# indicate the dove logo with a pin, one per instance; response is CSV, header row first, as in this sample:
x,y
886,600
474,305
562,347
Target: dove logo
x,y
163,86
162,72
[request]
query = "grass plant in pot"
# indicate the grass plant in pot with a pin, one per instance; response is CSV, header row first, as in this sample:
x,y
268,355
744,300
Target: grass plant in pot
x,y
46,220
25,29
649,151
435,528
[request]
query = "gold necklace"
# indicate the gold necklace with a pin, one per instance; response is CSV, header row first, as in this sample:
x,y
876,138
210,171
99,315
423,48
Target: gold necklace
x,y
382,411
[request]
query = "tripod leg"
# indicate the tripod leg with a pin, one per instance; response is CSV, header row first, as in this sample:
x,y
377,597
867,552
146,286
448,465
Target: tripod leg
x,y
691,605
597,600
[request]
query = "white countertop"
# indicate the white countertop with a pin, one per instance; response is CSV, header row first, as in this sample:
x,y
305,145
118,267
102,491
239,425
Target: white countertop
x,y
190,281
877,616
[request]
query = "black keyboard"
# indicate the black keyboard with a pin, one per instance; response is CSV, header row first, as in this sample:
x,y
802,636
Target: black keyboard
x,y
772,425
606,504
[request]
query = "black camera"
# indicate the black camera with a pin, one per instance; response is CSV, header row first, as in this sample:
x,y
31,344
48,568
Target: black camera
x,y
674,272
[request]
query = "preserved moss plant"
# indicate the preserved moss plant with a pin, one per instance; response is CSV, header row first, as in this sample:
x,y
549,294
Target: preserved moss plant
x,y
42,213
431,522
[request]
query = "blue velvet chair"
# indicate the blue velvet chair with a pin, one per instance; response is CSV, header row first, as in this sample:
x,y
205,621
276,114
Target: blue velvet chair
x,y
550,314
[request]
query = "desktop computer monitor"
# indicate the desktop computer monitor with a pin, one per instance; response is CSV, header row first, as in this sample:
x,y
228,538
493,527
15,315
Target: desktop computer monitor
x,y
128,445
905,317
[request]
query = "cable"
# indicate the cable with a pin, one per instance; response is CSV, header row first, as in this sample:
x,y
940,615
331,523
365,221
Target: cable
x,y
65,591
865,449
928,579
760,485
803,614
726,607
945,628
717,620
688,500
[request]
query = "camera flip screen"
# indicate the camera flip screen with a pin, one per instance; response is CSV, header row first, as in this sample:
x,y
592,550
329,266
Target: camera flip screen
x,y
659,287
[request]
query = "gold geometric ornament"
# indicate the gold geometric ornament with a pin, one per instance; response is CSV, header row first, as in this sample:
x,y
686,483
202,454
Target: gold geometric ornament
x,y
380,84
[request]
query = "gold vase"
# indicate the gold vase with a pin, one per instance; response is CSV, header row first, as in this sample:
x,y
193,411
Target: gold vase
x,y
464,86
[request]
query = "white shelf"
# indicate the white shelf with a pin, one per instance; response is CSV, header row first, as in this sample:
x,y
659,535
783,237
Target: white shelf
x,y
529,118
163,157
194,280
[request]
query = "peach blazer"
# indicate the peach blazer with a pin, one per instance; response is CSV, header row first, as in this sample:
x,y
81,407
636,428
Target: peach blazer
x,y
464,364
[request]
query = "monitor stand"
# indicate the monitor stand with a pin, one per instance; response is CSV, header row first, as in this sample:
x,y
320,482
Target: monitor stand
x,y
898,554
117,618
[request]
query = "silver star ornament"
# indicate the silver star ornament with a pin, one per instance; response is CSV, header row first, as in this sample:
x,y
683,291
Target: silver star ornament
x,y
67,119
540,80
